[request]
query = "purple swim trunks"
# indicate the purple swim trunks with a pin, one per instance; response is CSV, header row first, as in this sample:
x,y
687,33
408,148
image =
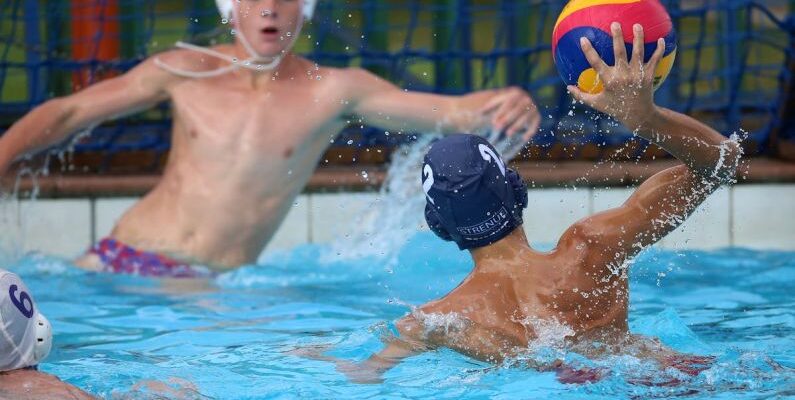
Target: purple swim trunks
x,y
119,258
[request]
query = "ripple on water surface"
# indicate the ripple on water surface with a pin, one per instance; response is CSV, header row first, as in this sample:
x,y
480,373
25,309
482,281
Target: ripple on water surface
x,y
129,337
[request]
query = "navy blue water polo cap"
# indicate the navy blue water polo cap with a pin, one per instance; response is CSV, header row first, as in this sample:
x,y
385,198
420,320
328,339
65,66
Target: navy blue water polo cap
x,y
472,198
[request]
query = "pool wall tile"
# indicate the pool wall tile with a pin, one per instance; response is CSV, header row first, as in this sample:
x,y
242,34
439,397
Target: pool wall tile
x,y
707,228
551,211
335,215
107,212
294,230
763,216
60,227
754,216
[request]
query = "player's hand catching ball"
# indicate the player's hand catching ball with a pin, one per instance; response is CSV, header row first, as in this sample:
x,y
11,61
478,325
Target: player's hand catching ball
x,y
628,93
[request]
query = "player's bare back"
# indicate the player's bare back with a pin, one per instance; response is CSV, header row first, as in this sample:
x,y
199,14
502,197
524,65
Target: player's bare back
x,y
568,287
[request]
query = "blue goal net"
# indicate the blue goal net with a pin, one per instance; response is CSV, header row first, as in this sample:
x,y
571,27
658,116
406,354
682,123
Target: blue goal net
x,y
733,68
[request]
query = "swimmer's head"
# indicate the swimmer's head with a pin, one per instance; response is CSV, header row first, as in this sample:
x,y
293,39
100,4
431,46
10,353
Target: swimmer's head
x,y
472,198
267,29
25,335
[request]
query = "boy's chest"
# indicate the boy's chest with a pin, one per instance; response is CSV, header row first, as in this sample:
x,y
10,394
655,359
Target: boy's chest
x,y
230,117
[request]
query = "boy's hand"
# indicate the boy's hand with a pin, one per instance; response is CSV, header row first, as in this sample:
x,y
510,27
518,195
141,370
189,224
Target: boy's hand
x,y
513,111
628,85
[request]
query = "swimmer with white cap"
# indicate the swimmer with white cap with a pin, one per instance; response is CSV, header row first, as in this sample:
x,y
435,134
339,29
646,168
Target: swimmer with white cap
x,y
251,121
25,341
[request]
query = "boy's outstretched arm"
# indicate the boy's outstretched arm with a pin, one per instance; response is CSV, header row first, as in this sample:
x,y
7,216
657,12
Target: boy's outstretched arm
x,y
54,121
380,103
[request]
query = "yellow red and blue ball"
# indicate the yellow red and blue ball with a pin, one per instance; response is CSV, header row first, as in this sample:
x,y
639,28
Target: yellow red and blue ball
x,y
592,19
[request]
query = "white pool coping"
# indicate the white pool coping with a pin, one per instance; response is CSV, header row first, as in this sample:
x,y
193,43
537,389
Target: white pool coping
x,y
757,216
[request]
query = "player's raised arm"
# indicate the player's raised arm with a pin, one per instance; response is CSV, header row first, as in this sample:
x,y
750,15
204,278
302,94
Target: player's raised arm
x,y
55,120
383,104
665,200
628,96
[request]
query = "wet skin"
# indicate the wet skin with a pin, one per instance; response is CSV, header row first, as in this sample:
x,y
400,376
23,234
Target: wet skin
x,y
580,288
25,384
244,144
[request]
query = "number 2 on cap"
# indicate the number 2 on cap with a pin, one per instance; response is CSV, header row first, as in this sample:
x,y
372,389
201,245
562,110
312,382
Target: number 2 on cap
x,y
488,155
428,183
24,304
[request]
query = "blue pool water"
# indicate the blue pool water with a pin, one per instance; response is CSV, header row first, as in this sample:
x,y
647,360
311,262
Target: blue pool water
x,y
115,334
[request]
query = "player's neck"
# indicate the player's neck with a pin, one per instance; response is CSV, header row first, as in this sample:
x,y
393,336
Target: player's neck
x,y
267,72
502,251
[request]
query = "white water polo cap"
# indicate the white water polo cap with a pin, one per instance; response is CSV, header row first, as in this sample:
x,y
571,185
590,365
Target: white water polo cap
x,y
227,7
25,335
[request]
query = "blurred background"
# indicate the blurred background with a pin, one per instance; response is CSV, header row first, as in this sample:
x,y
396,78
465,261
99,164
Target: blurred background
x,y
734,69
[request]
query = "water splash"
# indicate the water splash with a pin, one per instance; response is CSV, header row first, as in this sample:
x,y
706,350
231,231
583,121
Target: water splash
x,y
444,324
550,338
397,212
15,205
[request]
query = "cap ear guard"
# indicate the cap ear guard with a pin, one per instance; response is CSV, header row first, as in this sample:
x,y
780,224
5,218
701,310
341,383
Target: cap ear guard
x,y
25,334
433,221
309,9
519,190
43,343
225,8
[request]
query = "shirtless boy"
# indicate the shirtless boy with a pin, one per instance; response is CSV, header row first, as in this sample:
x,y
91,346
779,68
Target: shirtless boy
x,y
250,123
475,201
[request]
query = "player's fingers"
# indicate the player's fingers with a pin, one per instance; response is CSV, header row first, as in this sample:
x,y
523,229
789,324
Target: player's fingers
x,y
656,56
592,56
532,127
619,48
513,120
637,45
492,104
581,96
518,126
502,117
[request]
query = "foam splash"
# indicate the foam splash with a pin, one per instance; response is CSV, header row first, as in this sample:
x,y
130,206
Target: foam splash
x,y
549,333
441,323
15,205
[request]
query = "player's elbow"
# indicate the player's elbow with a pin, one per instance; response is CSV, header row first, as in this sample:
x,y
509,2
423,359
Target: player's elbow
x,y
725,168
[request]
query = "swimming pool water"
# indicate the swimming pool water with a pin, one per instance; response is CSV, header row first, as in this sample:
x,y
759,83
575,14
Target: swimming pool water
x,y
232,340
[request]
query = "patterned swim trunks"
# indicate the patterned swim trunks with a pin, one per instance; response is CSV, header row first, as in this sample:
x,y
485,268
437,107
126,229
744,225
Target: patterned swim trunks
x,y
119,258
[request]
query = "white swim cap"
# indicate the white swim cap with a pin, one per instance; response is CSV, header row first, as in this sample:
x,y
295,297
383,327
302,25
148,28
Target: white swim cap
x,y
225,8
25,335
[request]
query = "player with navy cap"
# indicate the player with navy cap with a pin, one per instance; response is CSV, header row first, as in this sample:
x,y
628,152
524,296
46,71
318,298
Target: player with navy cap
x,y
579,291
26,340
473,199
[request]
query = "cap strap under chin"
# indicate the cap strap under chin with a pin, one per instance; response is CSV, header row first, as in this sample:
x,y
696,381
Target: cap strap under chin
x,y
255,61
